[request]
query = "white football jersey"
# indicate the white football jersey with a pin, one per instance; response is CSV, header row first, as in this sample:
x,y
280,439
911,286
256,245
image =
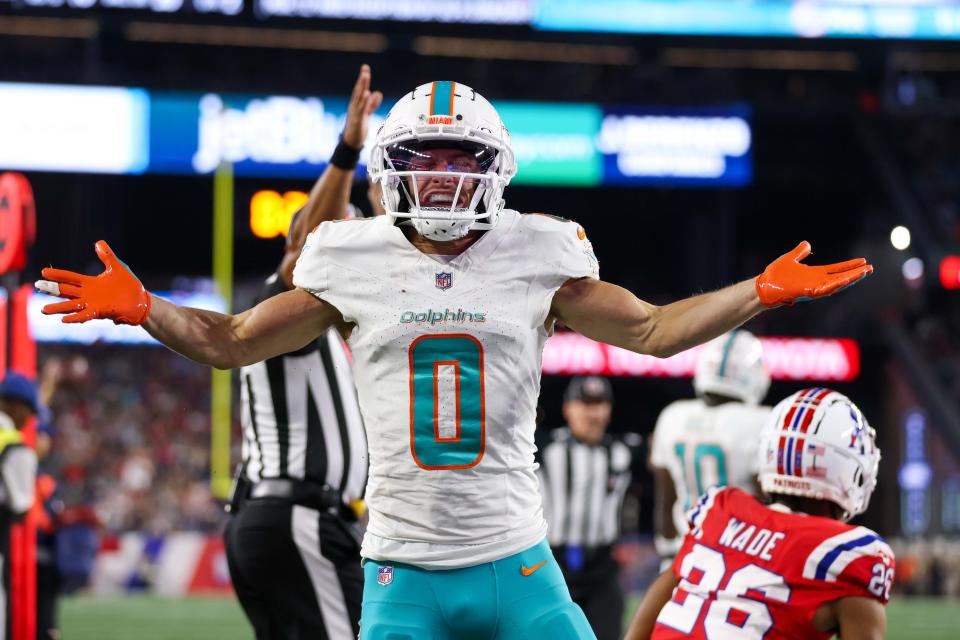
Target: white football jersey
x,y
703,446
447,356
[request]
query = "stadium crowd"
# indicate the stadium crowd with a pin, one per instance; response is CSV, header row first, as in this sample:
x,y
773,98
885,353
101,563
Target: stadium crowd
x,y
928,567
138,421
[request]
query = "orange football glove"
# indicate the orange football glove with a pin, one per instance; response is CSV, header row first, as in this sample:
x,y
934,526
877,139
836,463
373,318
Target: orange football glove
x,y
787,280
115,294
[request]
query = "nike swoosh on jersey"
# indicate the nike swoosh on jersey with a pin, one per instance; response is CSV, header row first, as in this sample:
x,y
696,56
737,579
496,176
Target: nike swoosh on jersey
x,y
526,572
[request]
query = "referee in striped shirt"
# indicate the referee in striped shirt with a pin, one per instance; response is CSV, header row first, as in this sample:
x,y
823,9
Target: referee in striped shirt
x,y
292,549
584,475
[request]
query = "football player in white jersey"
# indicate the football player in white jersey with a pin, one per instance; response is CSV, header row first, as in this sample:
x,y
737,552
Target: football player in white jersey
x,y
710,440
446,303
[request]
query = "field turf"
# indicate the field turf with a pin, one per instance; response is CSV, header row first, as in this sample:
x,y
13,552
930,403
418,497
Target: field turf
x,y
154,618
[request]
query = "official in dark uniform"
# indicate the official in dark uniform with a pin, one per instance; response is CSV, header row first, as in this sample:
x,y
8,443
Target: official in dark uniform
x,y
293,541
584,475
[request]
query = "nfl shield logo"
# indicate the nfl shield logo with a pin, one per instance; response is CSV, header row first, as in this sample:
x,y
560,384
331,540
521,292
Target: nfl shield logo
x,y
444,281
384,575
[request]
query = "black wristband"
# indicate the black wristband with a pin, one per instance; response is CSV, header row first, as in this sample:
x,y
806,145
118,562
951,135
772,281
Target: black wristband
x,y
345,156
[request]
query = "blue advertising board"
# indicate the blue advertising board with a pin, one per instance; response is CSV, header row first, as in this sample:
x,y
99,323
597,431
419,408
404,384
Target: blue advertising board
x,y
682,147
888,19
122,130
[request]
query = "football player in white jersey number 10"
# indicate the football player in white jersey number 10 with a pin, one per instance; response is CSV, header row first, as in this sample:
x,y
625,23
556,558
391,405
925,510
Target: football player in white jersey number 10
x,y
710,440
446,302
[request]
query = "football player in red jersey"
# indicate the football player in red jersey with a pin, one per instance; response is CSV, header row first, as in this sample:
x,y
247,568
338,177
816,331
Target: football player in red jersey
x,y
792,568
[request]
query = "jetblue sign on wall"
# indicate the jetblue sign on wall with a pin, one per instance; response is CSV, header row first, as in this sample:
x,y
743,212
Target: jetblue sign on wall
x,y
122,130
261,136
569,144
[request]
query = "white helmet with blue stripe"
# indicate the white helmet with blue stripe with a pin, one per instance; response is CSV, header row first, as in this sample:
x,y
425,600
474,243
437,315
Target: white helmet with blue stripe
x,y
817,444
443,158
732,366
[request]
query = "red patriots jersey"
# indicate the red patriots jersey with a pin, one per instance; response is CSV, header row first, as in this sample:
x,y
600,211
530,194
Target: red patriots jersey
x,y
751,571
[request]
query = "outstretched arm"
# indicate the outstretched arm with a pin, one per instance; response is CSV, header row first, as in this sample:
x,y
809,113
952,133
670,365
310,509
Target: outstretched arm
x,y
861,619
659,593
664,497
278,325
331,193
852,618
611,314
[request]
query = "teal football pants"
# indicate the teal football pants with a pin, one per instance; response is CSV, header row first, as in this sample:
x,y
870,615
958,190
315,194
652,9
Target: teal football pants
x,y
500,600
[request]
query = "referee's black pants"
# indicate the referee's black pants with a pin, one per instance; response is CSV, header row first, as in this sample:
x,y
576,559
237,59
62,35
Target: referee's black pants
x,y
595,587
296,571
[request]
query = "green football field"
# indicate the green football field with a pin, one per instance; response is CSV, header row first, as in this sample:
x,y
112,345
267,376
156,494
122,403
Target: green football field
x,y
152,618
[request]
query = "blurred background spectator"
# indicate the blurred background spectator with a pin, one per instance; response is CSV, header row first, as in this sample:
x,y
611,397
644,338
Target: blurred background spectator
x,y
132,438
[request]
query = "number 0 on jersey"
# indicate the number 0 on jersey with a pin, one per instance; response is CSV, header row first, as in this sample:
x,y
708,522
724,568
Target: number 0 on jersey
x,y
447,410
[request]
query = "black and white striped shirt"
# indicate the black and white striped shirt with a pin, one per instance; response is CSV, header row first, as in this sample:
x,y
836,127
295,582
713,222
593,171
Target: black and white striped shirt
x,y
583,487
300,415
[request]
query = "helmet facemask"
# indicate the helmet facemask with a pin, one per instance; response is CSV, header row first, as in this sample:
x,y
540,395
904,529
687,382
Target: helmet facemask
x,y
443,187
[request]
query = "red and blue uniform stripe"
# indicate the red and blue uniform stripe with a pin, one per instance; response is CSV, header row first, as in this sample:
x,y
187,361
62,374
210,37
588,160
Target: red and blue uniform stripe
x,y
798,419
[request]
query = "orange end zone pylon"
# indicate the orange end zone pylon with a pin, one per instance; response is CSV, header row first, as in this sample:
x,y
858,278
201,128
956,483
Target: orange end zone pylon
x,y
18,352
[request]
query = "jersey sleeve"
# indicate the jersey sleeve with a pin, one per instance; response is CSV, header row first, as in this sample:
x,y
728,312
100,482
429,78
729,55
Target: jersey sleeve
x,y
708,509
579,259
563,247
311,272
858,562
661,441
330,265
551,251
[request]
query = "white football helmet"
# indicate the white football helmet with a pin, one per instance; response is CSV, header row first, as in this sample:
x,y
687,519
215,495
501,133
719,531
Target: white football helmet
x,y
732,366
443,115
817,444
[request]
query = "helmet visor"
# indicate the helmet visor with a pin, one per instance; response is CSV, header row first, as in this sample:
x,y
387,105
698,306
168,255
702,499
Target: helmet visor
x,y
441,155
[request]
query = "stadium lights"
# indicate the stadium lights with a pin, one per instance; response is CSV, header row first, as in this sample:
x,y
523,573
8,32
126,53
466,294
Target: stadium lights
x,y
950,272
900,237
912,271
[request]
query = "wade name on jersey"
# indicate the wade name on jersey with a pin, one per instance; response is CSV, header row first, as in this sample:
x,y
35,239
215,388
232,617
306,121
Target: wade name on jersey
x,y
447,378
752,540
748,571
